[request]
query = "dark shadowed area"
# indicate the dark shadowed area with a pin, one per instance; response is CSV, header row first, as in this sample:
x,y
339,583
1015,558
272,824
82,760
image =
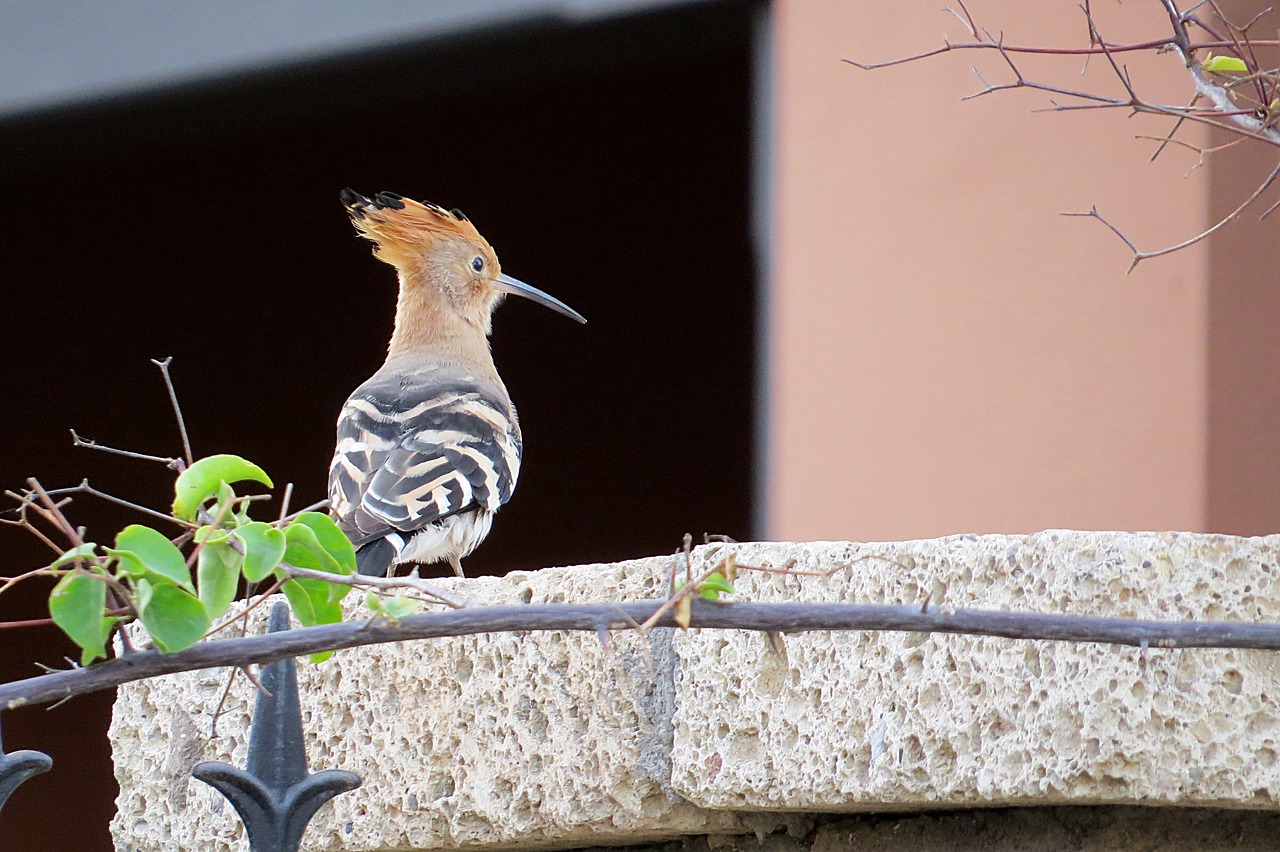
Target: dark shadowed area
x,y
607,164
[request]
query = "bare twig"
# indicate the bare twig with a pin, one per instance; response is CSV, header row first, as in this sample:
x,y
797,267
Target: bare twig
x,y
284,501
1243,103
1139,256
85,488
779,617
689,588
1094,214
163,364
222,701
52,512
364,581
77,441
243,615
24,503
947,47
1200,151
26,575
319,504
45,622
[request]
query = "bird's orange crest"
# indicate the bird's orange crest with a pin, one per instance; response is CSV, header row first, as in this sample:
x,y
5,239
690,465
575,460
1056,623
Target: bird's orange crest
x,y
401,228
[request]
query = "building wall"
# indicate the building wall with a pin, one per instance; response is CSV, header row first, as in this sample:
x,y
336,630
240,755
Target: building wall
x,y
1243,488
948,353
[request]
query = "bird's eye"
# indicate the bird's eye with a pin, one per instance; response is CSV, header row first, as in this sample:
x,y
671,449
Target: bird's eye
x,y
477,263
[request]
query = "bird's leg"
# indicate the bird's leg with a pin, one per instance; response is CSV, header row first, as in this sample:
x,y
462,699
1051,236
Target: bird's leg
x,y
457,564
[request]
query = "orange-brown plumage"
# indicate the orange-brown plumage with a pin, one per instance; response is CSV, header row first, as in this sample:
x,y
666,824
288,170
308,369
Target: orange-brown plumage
x,y
401,227
429,447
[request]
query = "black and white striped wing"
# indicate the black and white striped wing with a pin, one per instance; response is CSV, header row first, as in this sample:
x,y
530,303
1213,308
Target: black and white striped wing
x,y
411,456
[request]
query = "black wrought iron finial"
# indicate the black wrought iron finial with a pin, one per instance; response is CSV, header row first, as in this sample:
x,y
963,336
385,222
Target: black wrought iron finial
x,y
18,767
273,794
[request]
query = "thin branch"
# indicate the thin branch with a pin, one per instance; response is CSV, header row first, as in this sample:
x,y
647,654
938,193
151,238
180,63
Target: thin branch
x,y
284,501
53,513
364,581
85,488
319,504
1241,104
1201,152
77,441
1269,210
243,615
25,523
43,571
45,622
778,617
222,700
1219,96
947,47
1139,256
1096,37
1094,214
163,364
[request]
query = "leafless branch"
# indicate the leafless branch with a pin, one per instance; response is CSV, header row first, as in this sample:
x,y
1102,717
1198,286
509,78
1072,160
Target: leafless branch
x,y
163,364
85,488
319,504
77,441
1246,104
381,584
1139,256
776,617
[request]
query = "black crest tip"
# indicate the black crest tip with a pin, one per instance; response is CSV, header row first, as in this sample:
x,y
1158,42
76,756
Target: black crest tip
x,y
353,201
390,199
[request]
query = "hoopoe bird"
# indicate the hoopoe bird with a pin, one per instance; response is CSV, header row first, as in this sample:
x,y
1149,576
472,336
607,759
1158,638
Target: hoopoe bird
x,y
429,447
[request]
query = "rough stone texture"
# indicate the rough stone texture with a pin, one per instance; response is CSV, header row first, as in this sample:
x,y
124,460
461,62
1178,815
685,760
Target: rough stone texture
x,y
861,721
543,740
1079,829
519,739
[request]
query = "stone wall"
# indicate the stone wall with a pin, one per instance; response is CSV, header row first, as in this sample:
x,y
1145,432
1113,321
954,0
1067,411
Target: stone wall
x,y
547,740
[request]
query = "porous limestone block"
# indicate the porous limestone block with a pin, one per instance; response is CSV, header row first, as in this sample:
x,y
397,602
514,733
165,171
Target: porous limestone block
x,y
899,721
516,739
1079,829
542,740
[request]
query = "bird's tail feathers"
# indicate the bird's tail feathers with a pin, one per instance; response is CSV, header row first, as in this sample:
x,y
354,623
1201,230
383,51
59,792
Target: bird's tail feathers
x,y
378,557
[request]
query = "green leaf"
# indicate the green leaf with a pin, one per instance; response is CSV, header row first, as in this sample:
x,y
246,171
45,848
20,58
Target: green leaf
x,y
332,539
394,608
218,572
226,501
714,586
144,552
300,602
310,601
75,554
1222,64
209,534
77,605
203,480
174,618
264,547
305,551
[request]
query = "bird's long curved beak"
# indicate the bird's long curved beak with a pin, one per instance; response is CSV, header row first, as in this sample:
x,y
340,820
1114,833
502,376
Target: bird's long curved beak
x,y
516,287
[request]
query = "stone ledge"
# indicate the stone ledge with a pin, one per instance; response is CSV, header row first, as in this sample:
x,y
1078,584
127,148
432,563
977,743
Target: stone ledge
x,y
542,740
1079,829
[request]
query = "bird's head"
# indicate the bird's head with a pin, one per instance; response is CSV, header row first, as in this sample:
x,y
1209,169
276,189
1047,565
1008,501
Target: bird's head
x,y
440,256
